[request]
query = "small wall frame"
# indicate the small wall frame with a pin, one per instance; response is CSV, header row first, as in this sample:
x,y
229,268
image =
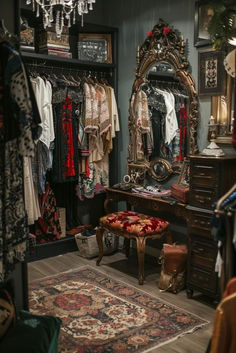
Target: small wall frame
x,y
211,73
203,15
95,47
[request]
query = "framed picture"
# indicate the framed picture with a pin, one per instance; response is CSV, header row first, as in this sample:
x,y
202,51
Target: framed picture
x,y
211,73
95,47
203,15
137,173
184,174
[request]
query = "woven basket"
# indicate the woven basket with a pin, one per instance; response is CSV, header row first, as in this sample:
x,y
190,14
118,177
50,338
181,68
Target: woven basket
x,y
88,247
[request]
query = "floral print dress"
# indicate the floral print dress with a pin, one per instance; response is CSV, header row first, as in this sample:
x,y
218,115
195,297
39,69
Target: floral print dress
x,y
18,126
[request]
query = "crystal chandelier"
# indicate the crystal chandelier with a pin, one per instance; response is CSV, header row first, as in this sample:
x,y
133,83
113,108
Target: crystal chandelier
x,y
61,11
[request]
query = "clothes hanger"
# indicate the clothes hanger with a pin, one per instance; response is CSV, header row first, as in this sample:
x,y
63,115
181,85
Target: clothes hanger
x,y
6,36
90,79
231,207
68,77
95,79
72,78
84,78
64,78
217,210
3,27
103,80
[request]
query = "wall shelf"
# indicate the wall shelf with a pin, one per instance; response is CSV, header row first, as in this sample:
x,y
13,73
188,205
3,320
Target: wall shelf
x,y
64,61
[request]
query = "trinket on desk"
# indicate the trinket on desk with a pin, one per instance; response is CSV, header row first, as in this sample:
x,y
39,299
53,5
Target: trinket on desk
x,y
212,149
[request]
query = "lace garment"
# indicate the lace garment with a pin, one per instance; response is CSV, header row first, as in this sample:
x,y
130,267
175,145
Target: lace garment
x,y
17,124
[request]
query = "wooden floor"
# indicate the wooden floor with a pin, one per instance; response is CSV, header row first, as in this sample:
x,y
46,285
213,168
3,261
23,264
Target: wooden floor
x,y
125,269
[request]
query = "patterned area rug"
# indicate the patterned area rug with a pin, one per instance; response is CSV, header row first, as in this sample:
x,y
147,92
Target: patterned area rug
x,y
101,314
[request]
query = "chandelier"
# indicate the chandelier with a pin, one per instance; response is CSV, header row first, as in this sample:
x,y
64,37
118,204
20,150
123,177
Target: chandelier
x,y
60,11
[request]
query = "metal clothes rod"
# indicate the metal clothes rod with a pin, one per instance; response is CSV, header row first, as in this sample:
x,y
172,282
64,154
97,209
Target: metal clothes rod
x,y
42,66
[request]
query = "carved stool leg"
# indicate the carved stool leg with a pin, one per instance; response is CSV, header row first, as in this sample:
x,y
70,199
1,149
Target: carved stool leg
x,y
169,238
141,244
99,236
127,246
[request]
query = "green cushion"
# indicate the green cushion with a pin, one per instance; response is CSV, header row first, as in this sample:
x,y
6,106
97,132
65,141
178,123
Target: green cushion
x,y
7,312
32,334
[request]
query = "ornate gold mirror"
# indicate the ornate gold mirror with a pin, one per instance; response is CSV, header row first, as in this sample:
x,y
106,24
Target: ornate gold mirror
x,y
163,112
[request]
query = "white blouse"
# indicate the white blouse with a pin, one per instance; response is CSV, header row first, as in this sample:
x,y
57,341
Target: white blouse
x,y
43,95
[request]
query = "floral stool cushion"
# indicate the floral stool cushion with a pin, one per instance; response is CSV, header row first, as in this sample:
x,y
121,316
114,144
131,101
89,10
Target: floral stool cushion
x,y
134,223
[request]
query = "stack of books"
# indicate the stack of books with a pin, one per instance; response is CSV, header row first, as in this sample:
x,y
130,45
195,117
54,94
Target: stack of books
x,y
50,44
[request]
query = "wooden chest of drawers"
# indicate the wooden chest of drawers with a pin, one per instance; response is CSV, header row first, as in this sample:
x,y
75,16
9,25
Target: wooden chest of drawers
x,y
210,178
202,251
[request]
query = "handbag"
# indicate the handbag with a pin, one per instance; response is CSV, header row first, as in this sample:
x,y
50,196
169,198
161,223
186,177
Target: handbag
x,y
173,261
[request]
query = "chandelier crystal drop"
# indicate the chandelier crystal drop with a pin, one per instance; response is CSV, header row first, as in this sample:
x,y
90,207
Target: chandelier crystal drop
x,y
59,11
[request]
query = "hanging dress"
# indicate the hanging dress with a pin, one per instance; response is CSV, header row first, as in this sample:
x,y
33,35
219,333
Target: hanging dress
x,y
18,127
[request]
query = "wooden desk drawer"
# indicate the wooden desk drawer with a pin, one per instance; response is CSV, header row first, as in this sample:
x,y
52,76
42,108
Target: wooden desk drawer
x,y
200,222
205,175
201,197
202,279
203,254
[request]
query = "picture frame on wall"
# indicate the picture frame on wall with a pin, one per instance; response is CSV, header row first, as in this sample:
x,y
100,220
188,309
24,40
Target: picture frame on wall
x,y
95,47
203,15
211,73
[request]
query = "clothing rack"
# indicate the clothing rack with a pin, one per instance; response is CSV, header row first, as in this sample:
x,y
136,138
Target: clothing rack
x,y
170,84
40,68
222,218
219,211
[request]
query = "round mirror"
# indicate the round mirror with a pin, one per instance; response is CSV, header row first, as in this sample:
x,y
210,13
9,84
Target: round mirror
x,y
160,169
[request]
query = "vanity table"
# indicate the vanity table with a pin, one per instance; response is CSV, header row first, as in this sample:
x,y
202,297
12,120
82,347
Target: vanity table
x,y
155,204
210,178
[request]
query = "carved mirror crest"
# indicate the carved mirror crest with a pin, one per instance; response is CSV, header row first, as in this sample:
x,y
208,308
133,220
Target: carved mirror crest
x,y
163,112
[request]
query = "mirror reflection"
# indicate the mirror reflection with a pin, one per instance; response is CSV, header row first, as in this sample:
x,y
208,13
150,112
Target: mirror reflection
x,y
222,109
167,105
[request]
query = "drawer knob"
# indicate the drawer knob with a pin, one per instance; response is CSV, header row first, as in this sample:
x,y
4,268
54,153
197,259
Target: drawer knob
x,y
200,249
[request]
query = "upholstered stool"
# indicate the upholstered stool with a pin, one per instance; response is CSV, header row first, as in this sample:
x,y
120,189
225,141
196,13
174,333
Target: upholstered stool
x,y
133,225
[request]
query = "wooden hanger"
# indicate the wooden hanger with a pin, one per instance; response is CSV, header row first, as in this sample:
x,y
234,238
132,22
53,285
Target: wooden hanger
x,y
218,211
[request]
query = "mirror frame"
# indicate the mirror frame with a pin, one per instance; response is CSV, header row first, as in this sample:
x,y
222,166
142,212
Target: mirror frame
x,y
226,118
163,44
165,165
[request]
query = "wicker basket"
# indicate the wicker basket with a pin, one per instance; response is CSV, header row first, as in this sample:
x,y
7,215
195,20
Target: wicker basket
x,y
88,247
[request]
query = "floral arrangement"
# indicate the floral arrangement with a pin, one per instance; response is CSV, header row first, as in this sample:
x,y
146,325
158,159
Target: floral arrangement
x,y
166,30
